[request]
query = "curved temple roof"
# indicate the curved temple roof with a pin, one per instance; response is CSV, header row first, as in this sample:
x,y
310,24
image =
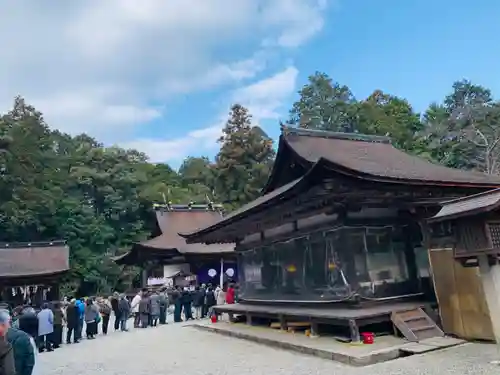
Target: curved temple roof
x,y
33,259
369,158
173,220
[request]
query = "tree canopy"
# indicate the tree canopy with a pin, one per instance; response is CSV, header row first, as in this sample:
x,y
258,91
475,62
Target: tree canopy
x,y
99,199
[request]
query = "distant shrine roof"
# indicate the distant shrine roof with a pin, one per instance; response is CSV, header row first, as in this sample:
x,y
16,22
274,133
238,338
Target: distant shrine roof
x,y
303,152
33,259
175,219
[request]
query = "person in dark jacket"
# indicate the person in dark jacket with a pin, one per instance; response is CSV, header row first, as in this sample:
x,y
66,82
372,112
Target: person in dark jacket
x,y
176,299
124,311
210,299
198,302
114,306
28,321
7,363
163,307
144,310
58,325
187,300
24,355
72,321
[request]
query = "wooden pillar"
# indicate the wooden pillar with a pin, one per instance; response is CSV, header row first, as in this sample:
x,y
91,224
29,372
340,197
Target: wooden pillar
x,y
410,256
354,331
144,277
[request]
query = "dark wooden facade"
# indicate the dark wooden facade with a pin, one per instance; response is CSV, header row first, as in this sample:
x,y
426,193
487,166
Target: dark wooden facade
x,y
346,206
32,272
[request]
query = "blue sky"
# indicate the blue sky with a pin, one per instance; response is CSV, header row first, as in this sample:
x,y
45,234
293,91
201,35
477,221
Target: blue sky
x,y
160,75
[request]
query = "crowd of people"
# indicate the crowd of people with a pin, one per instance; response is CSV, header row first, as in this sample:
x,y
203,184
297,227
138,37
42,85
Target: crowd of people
x,y
201,299
27,331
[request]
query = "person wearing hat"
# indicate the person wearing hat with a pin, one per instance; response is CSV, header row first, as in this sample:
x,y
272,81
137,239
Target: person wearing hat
x,y
23,346
7,362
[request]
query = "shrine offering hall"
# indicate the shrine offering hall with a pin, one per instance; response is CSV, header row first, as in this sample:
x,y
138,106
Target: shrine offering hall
x,y
339,235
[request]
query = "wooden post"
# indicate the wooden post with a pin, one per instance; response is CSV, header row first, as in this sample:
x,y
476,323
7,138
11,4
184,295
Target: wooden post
x,y
282,322
144,277
354,330
490,276
314,330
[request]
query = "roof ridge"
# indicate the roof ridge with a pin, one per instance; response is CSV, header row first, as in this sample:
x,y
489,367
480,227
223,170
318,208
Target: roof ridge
x,y
471,197
357,137
168,207
18,245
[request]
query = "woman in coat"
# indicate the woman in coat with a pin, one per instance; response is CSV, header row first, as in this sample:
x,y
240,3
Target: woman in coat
x,y
154,308
58,324
45,328
91,317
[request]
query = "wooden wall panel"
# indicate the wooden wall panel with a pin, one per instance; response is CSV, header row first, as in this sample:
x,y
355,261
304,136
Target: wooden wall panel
x,y
460,296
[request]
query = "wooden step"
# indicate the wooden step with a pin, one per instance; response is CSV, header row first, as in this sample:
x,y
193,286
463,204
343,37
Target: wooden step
x,y
415,325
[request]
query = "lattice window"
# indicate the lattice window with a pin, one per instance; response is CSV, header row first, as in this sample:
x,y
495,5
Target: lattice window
x,y
494,232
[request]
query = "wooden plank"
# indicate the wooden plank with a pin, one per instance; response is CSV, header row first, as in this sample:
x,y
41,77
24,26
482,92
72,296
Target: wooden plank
x,y
462,305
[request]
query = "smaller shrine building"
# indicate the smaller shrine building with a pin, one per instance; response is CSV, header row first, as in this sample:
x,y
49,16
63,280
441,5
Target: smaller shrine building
x,y
167,259
31,273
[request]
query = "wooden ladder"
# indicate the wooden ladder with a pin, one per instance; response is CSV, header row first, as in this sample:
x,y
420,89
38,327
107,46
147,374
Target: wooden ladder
x,y
415,325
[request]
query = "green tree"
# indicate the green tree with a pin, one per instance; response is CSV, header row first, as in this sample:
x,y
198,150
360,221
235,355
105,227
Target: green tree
x,y
384,114
323,105
244,161
464,132
99,199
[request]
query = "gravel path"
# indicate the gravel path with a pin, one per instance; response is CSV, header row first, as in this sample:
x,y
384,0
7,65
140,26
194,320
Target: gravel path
x,y
178,349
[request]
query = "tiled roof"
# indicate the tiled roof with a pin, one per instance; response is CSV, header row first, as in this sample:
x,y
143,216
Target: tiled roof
x,y
33,259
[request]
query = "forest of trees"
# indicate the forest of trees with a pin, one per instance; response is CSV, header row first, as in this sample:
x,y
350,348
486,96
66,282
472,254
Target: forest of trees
x,y
99,199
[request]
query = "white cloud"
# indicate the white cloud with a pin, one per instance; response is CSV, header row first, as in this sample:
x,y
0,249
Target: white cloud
x,y
161,150
97,66
264,99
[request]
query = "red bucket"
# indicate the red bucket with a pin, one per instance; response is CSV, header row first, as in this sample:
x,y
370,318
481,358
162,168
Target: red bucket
x,y
213,318
368,337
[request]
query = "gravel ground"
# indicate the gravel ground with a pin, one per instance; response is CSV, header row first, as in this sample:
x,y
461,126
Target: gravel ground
x,y
179,349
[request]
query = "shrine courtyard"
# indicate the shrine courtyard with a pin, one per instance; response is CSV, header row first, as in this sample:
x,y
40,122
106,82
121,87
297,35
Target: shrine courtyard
x,y
181,349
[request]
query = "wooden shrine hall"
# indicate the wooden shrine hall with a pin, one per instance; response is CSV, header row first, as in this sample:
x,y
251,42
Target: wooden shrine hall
x,y
336,237
32,272
168,256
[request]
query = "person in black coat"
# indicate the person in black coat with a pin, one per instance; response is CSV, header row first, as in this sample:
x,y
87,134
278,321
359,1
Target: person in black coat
x,y
72,321
198,302
176,300
114,300
210,299
28,321
187,300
